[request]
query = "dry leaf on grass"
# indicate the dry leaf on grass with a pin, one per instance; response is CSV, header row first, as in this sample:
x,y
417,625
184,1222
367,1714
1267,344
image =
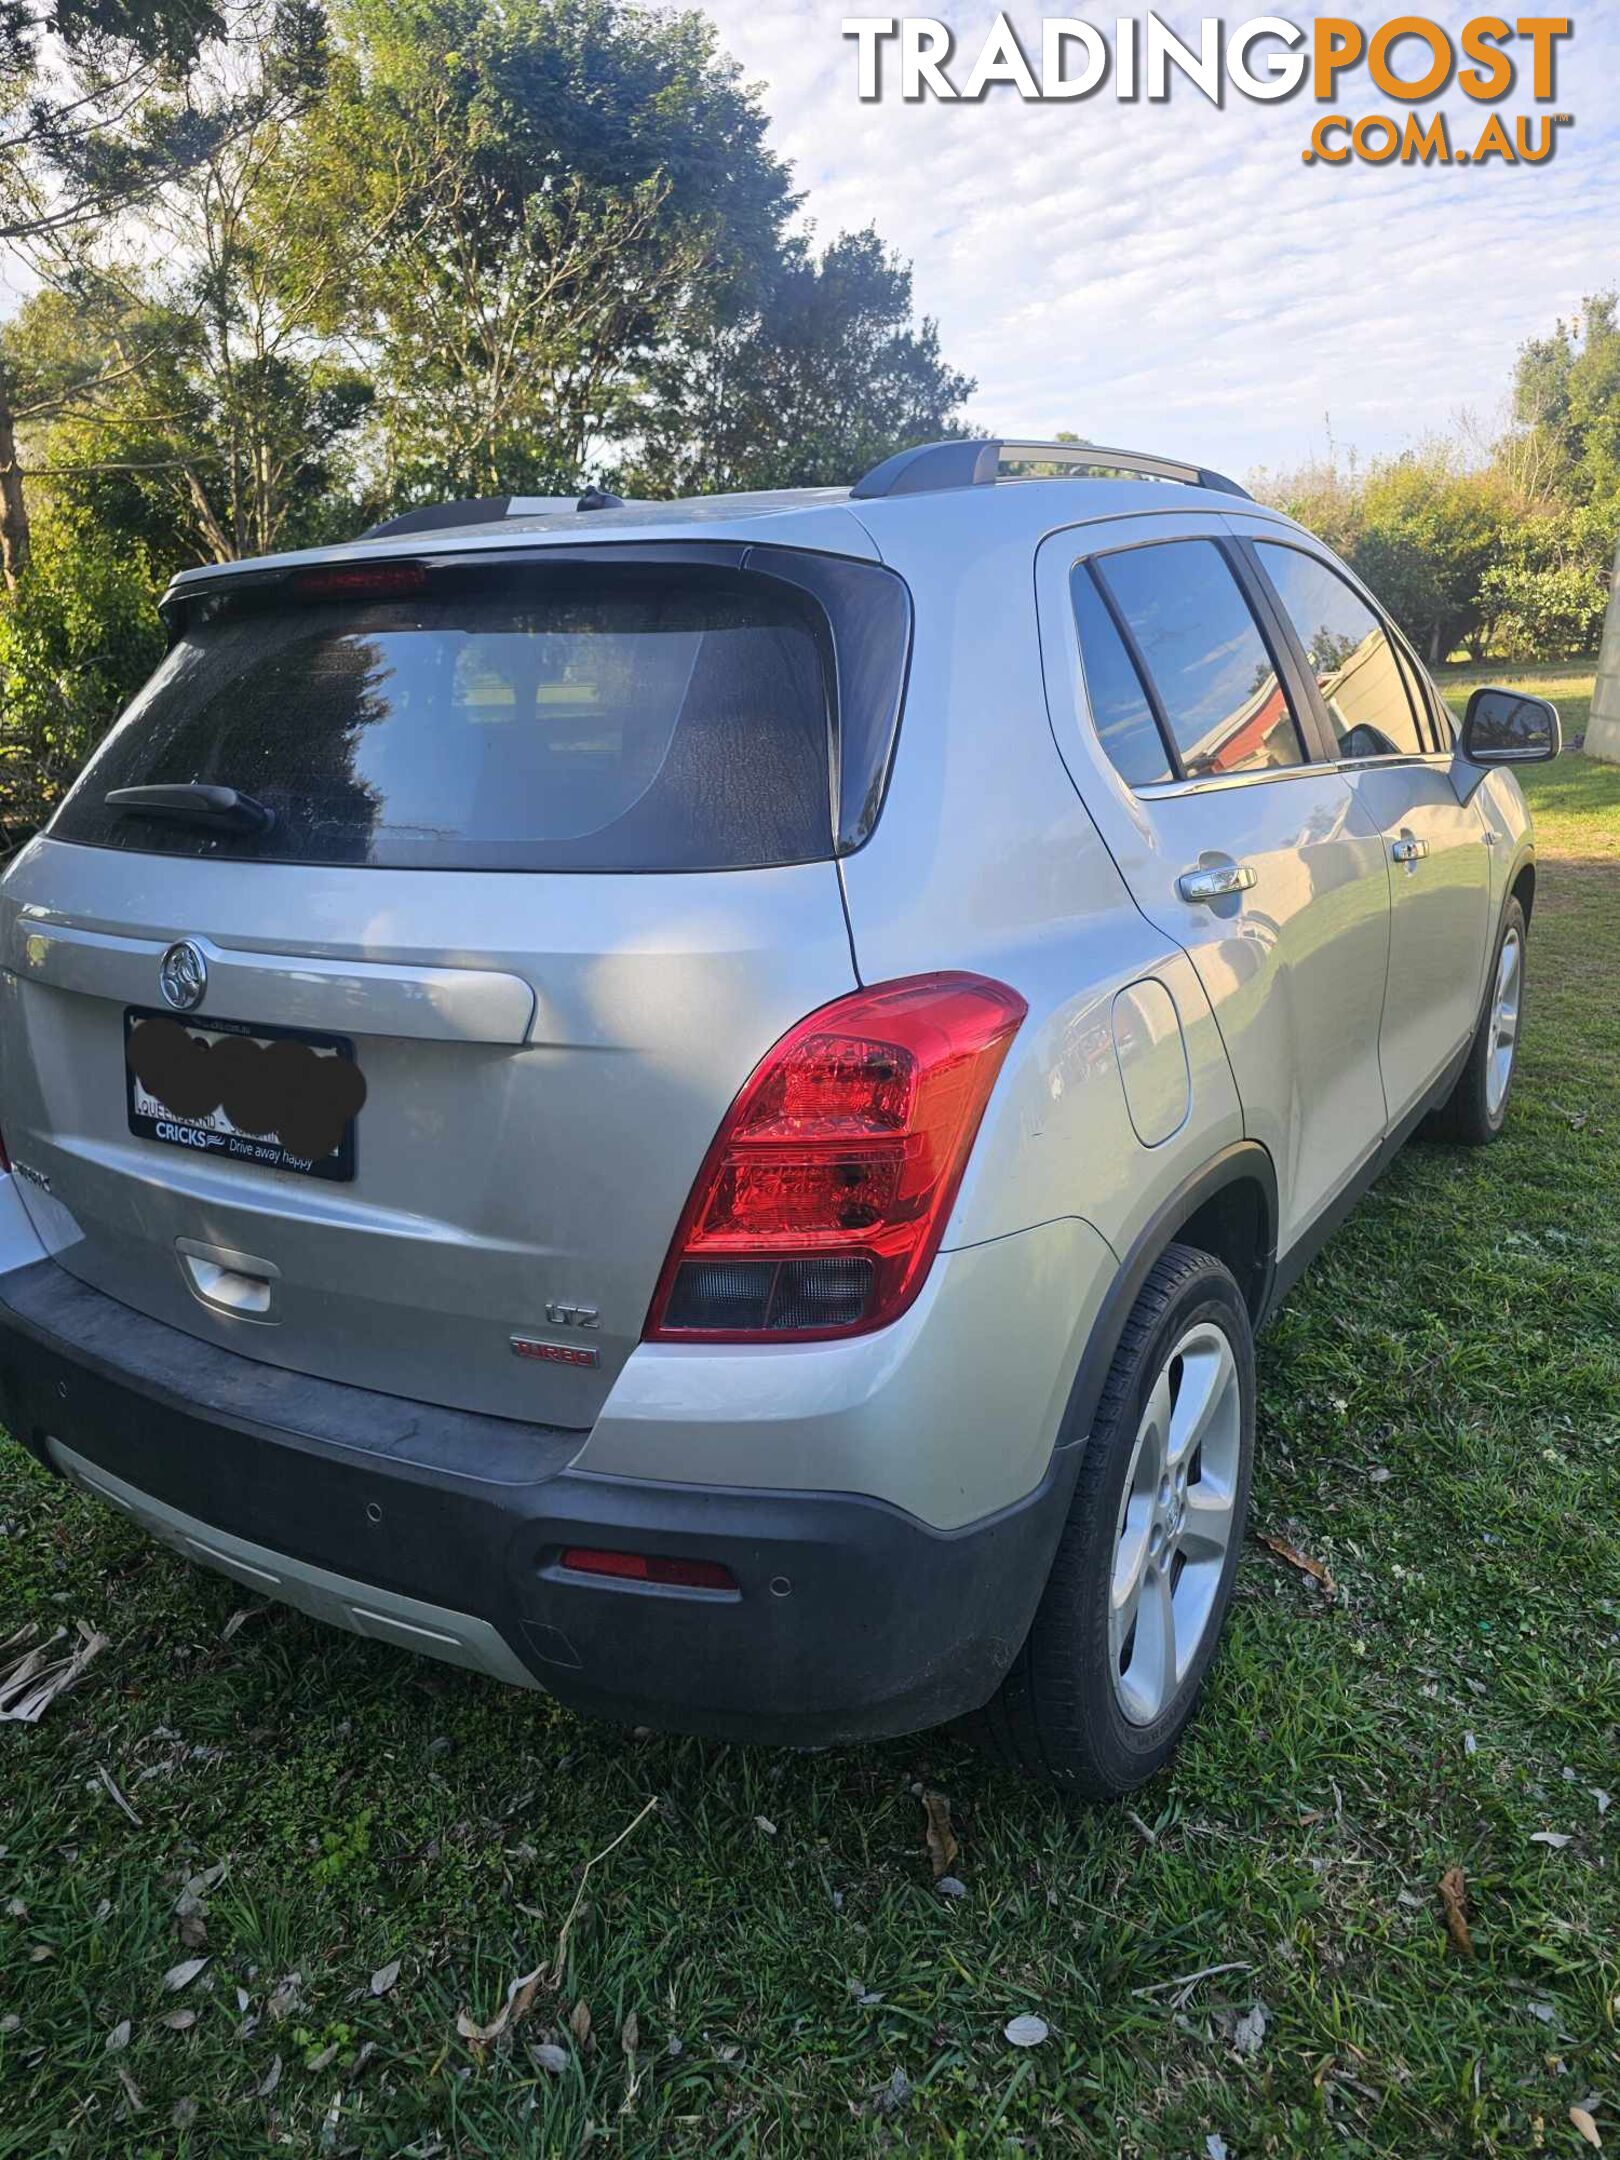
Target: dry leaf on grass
x,y
1557,1839
272,2078
942,1845
579,2024
179,1976
1454,1903
1297,1559
1587,2127
29,1686
384,1977
179,2020
520,1996
118,2038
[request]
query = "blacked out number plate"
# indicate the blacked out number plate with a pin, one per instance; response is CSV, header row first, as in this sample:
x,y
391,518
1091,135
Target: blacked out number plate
x,y
279,1097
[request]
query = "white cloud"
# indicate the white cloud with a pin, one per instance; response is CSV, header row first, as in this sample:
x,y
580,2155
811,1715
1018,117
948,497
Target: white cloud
x,y
1174,275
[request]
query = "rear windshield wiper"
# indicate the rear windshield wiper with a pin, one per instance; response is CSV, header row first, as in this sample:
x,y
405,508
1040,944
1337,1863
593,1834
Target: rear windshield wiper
x,y
194,802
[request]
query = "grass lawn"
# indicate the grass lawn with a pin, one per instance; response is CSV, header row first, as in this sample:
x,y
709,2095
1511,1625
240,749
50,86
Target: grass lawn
x,y
1440,1427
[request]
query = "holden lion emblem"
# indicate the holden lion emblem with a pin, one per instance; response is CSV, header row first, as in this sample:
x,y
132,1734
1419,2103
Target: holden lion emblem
x,y
183,976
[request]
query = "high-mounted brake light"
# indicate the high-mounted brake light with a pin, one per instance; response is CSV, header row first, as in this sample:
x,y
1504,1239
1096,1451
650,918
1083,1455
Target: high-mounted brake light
x,y
360,581
821,1204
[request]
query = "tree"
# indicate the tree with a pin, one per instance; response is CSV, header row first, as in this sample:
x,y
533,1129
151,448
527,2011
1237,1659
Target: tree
x,y
805,376
127,99
545,185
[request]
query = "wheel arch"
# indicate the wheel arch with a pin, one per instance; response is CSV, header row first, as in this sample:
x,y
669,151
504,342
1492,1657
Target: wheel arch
x,y
1228,1208
1523,887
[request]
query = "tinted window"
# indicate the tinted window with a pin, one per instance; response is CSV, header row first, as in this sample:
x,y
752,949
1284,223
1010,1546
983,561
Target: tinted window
x,y
1203,651
1349,650
1120,711
572,719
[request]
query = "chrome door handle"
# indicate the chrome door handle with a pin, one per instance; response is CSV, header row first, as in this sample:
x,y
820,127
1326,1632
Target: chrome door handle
x,y
1215,883
1408,850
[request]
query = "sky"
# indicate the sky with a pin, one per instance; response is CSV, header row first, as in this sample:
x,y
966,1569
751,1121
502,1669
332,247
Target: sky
x,y
1173,277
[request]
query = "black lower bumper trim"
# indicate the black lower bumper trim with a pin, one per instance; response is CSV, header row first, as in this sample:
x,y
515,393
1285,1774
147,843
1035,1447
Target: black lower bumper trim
x,y
851,1619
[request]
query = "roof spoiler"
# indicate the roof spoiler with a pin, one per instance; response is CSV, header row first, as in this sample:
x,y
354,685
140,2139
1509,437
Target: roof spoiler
x,y
488,510
931,468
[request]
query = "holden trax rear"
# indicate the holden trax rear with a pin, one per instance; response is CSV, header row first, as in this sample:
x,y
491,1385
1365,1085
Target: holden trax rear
x,y
695,1105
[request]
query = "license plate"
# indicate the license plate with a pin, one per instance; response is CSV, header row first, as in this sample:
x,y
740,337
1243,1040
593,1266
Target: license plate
x,y
278,1097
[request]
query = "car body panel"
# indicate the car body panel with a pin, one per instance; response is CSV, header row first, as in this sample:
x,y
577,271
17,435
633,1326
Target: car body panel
x,y
533,1152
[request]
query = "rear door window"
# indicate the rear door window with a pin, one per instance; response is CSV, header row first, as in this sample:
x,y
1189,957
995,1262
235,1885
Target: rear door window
x,y
621,717
1204,659
1358,671
1120,711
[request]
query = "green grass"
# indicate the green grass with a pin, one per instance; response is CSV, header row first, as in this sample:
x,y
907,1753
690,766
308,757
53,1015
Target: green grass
x,y
1440,1424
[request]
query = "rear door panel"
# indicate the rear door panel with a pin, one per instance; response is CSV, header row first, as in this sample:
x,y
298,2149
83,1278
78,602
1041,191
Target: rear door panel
x,y
547,1058
1294,967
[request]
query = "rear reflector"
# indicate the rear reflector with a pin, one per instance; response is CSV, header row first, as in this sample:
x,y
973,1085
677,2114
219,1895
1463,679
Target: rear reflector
x,y
823,1200
649,1568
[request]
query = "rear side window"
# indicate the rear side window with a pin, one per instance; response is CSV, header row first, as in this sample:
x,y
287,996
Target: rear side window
x,y
1350,653
1205,660
1120,711
568,717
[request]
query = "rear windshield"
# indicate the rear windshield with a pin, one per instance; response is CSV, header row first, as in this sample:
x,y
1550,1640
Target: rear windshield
x,y
612,717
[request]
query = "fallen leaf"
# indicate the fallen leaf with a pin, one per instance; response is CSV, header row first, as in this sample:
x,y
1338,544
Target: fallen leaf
x,y
197,1887
1557,1839
1454,1901
763,1822
1587,2127
891,2098
1027,2031
520,1994
132,2092
1601,1797
630,2034
1249,2030
193,1931
285,1996
29,1686
324,2060
118,2038
272,2078
106,1778
1296,1558
579,2023
942,1845
185,2114
239,1619
546,2055
1543,2010
179,1976
951,1886
179,2020
384,1977
1215,2146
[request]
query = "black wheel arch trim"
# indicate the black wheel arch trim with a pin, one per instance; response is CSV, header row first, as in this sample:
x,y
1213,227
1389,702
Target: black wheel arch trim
x,y
1243,1162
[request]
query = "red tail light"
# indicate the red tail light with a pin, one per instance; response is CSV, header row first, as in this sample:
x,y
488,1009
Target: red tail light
x,y
824,1197
360,581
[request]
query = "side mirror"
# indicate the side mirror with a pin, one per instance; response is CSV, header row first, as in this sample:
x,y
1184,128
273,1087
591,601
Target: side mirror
x,y
1504,727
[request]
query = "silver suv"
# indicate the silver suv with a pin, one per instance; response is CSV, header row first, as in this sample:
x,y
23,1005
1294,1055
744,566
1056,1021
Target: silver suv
x,y
696,1104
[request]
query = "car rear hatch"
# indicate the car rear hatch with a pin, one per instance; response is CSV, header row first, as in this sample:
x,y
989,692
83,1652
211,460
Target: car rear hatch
x,y
491,877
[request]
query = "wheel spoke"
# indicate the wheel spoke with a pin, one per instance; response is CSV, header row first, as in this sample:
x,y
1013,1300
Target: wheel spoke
x,y
1207,1376
1149,1679
1208,1529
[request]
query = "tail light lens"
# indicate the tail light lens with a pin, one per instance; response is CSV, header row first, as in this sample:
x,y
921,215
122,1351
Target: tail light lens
x,y
822,1202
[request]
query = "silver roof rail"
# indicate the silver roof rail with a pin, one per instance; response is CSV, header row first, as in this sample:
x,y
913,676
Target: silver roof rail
x,y
928,468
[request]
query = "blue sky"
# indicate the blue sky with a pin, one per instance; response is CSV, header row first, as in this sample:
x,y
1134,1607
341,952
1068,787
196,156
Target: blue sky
x,y
1173,276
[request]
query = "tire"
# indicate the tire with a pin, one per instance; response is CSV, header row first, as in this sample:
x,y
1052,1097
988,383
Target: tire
x,y
1078,1709
1475,1111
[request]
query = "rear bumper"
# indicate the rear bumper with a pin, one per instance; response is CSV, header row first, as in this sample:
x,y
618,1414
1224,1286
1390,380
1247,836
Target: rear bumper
x,y
443,1531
